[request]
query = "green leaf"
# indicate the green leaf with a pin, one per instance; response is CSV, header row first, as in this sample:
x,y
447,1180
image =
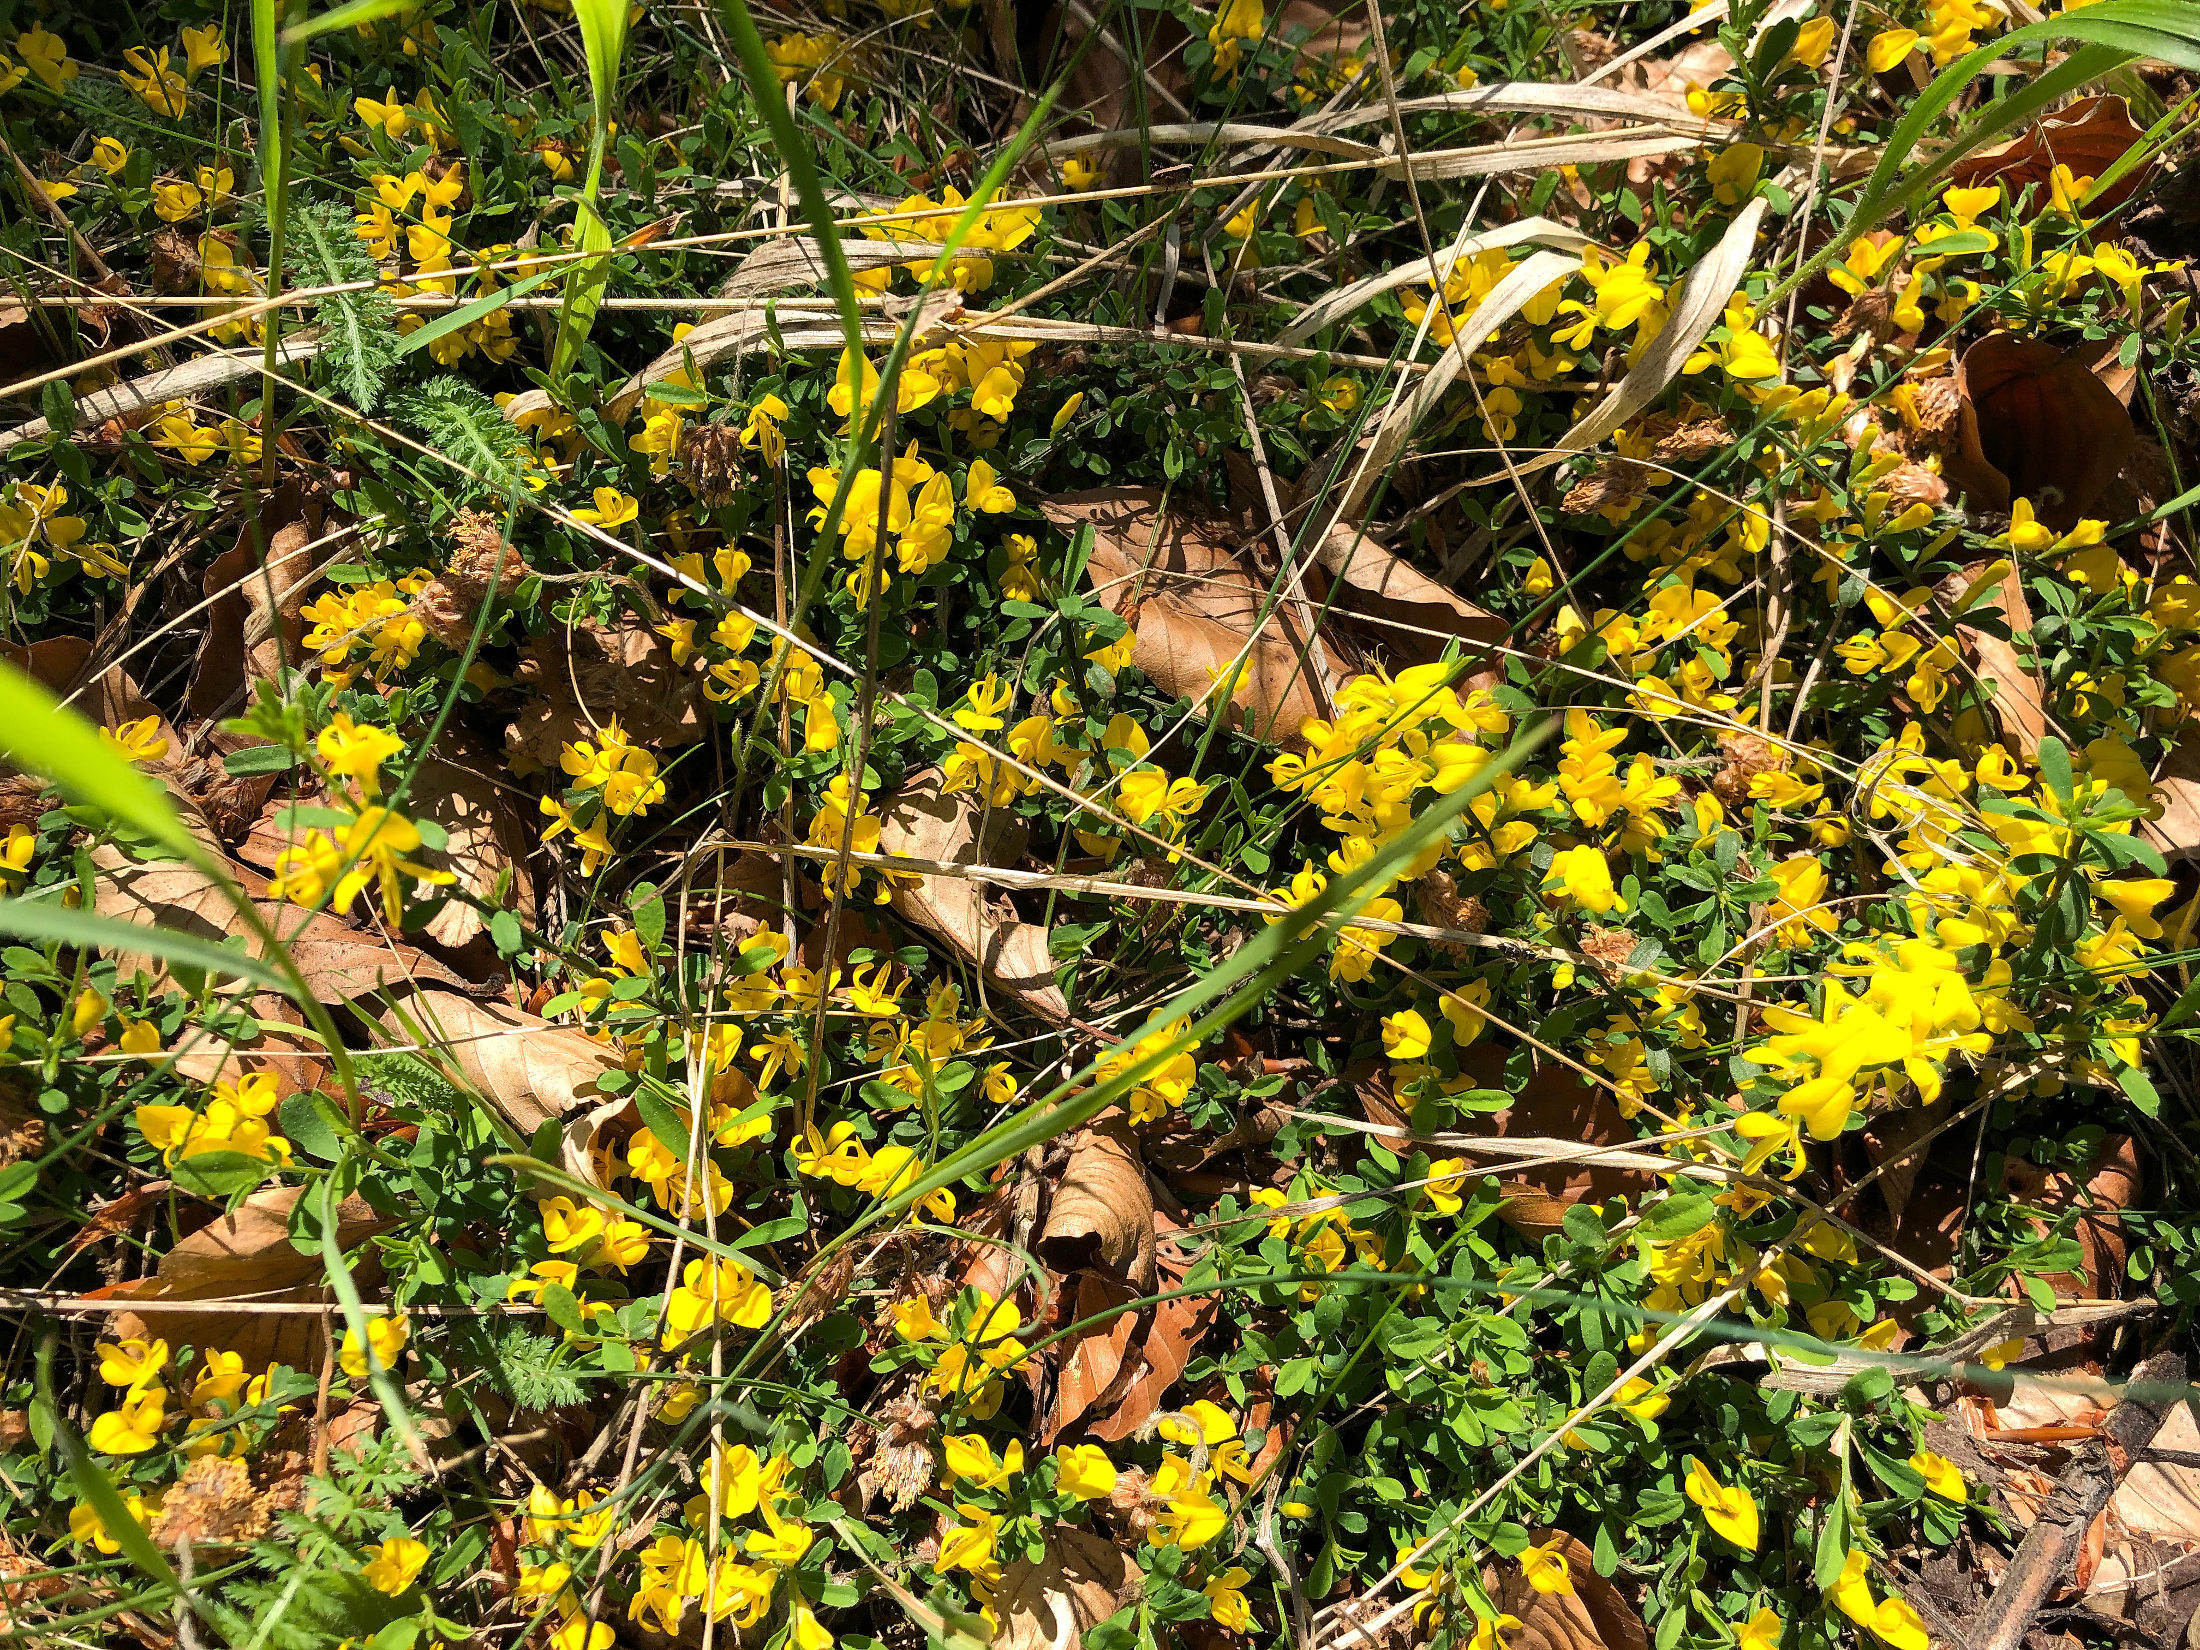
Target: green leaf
x,y
584,286
354,14
310,1125
671,1124
255,759
1833,1538
1681,1215
465,315
220,1175
2054,761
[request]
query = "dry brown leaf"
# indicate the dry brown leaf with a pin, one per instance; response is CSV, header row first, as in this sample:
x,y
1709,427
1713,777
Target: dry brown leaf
x,y
1593,1616
2087,137
249,636
2105,1188
247,1256
2177,791
456,788
2036,423
2019,704
1555,1105
534,1072
1412,616
1077,1583
1093,1366
1176,1329
922,823
585,675
339,962
1192,603
1101,1217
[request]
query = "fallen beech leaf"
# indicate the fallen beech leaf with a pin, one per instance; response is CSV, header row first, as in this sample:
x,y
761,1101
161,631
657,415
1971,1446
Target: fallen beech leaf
x,y
1192,603
2086,137
255,617
2160,1500
1410,614
1093,1364
1101,1217
2105,1188
922,823
534,1072
585,675
2019,705
1592,1617
117,1216
1080,1580
1555,1105
247,1256
1175,1331
2036,423
339,962
455,787
2177,792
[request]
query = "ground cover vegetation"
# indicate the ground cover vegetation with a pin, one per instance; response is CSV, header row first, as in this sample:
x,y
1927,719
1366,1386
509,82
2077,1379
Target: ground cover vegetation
x,y
898,823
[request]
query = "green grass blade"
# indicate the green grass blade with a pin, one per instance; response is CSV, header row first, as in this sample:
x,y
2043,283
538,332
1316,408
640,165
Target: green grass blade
x,y
465,315
39,733
355,15
584,287
92,1482
355,1319
38,919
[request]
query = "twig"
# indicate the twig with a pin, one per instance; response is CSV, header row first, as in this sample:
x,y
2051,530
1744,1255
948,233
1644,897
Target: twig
x,y
2080,1495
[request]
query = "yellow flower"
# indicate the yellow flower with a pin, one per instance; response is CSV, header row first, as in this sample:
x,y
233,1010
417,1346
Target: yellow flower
x,y
47,57
1761,1632
392,1566
174,202
155,84
1941,1476
386,1337
132,1364
1406,1035
1890,47
1733,171
613,509
1079,174
139,741
1728,1509
984,491
1084,1471
110,155
1582,876
1226,1601
969,1545
389,116
1064,413
1546,1567
133,1426
1490,1635
86,1527
203,49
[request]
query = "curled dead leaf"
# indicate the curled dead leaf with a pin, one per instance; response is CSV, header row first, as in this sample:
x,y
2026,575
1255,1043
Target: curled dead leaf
x,y
2036,423
530,1070
923,823
1592,1616
255,615
2087,137
585,675
456,788
1079,1581
1192,604
247,1255
1102,1212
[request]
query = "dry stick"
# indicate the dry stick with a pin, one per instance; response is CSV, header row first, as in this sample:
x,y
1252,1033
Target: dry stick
x,y
2080,1496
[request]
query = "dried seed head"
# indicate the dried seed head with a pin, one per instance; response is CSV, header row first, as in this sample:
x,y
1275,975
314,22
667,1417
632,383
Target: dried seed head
x,y
1747,755
712,454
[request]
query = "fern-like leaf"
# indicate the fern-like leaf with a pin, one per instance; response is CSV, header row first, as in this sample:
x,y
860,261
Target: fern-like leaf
x,y
359,329
463,424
